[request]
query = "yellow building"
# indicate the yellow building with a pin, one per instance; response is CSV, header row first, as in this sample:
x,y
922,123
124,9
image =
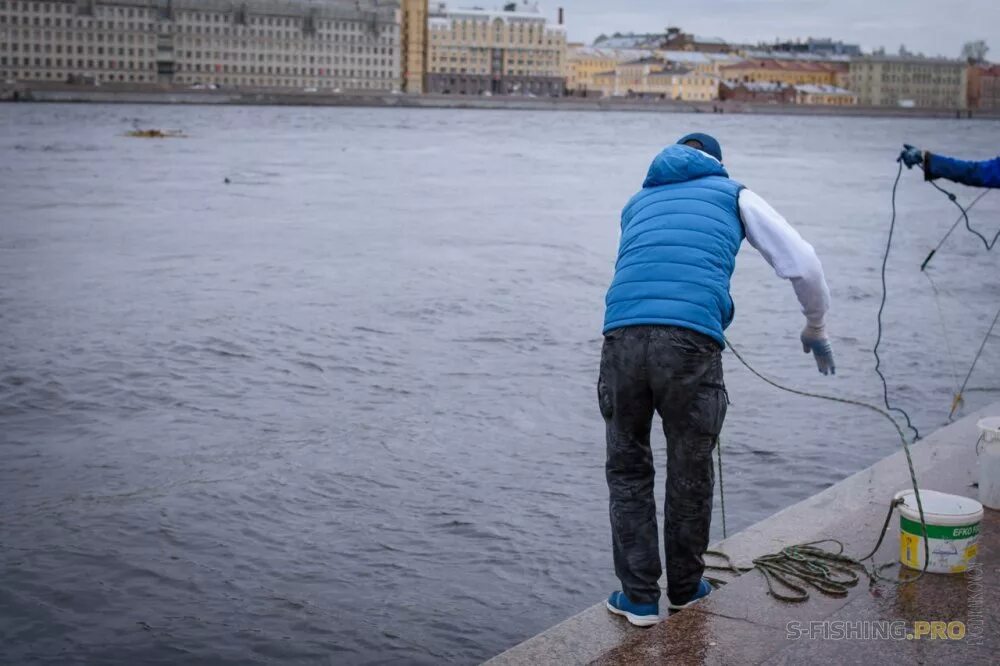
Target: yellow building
x,y
511,51
604,83
583,63
656,77
413,42
787,72
633,77
909,81
695,86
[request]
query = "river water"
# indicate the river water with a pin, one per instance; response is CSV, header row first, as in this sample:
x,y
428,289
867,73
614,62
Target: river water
x,y
342,408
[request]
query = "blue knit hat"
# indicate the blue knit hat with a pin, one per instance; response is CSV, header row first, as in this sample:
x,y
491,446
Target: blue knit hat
x,y
709,144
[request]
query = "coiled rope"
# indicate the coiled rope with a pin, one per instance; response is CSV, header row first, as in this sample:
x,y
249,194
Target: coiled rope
x,y
830,571
807,565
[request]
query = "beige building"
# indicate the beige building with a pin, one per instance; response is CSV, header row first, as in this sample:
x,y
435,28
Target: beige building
x,y
514,50
655,76
695,86
583,63
304,44
909,81
413,40
789,72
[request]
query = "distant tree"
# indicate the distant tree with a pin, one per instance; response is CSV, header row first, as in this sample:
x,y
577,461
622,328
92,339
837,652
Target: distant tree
x,y
975,52
617,34
601,38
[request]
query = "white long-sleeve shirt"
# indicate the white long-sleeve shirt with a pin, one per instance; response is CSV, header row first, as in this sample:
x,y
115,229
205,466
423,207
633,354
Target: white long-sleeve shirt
x,y
791,257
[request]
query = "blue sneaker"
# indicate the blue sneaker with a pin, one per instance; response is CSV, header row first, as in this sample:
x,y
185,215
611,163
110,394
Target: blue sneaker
x,y
641,615
704,589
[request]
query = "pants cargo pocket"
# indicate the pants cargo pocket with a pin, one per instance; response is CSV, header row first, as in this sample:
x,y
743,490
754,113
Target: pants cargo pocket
x,y
604,398
710,408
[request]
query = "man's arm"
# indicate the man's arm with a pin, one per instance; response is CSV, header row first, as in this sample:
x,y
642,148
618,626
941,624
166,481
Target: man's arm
x,y
976,174
792,258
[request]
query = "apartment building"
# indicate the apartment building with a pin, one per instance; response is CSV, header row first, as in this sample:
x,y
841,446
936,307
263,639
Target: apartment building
x,y
331,44
984,87
787,72
513,50
909,81
675,75
583,63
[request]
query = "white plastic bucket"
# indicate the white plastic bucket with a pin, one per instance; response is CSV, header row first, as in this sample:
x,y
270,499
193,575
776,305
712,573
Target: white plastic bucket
x,y
989,461
952,531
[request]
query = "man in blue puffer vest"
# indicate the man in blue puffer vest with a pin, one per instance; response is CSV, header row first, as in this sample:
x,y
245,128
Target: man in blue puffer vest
x,y
667,308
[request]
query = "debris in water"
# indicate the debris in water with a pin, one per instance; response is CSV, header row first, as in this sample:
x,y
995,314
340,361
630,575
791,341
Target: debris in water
x,y
155,134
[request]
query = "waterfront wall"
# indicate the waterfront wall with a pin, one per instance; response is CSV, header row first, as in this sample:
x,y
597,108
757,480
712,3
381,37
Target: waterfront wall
x,y
187,96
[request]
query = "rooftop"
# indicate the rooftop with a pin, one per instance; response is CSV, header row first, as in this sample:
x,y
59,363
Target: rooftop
x,y
608,53
816,88
758,54
756,86
915,59
648,60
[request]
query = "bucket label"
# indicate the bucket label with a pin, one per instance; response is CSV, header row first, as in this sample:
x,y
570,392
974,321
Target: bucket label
x,y
952,548
939,531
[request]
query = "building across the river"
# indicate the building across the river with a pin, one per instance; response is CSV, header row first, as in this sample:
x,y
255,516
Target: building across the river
x,y
297,44
984,87
512,50
909,81
787,71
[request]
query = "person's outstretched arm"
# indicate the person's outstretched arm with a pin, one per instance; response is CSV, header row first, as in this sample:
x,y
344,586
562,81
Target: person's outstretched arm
x,y
975,174
792,258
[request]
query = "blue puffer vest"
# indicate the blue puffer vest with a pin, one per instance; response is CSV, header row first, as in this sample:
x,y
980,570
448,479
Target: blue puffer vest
x,y
680,236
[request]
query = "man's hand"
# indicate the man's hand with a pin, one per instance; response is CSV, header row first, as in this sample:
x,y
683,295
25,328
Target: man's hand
x,y
911,156
814,340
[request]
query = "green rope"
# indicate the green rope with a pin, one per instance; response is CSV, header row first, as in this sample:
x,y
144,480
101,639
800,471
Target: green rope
x,y
722,488
806,565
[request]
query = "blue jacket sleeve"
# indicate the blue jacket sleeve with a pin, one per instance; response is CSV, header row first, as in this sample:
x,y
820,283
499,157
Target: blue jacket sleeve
x,y
976,174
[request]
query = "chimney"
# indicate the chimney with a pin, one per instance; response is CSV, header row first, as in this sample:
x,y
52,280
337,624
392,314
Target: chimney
x,y
560,16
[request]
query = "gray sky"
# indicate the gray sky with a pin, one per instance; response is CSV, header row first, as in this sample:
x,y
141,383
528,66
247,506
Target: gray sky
x,y
935,27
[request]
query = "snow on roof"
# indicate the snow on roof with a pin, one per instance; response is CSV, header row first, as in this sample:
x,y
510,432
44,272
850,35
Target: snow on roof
x,y
648,60
785,55
609,54
630,41
813,88
756,86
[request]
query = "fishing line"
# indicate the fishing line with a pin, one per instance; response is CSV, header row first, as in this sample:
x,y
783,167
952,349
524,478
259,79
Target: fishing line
x,y
947,340
958,397
961,216
881,308
989,244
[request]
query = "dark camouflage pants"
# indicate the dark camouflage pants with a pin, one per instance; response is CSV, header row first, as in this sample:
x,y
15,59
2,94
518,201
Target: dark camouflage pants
x,y
678,373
